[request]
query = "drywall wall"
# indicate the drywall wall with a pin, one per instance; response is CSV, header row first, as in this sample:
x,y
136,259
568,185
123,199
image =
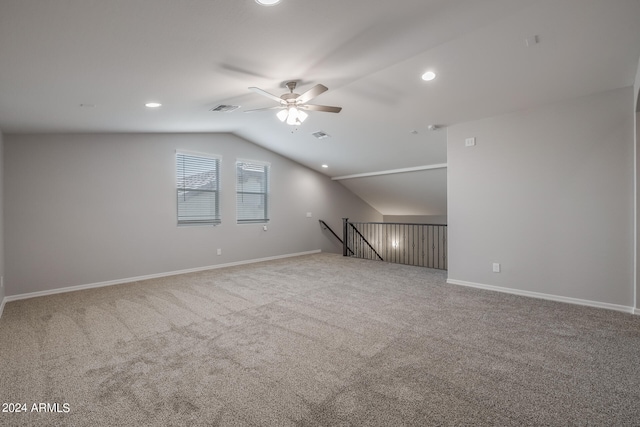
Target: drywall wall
x,y
416,219
637,201
636,88
422,192
636,94
83,209
548,193
2,289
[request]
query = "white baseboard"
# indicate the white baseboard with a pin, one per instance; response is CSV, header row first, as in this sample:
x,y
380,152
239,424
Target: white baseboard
x,y
636,311
147,277
550,297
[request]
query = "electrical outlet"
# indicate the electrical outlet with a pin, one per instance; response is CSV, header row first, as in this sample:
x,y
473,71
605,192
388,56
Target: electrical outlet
x,y
496,267
219,251
309,215
264,227
470,142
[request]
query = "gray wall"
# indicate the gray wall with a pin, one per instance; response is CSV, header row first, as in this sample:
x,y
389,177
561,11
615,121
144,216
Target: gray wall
x,y
548,193
83,209
636,88
636,94
421,192
416,219
637,254
2,289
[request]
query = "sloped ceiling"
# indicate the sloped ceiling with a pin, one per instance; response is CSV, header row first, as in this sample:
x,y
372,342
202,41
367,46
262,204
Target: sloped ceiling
x,y
428,189
89,66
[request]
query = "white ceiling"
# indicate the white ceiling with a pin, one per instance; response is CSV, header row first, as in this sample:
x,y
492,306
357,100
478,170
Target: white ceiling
x,y
191,55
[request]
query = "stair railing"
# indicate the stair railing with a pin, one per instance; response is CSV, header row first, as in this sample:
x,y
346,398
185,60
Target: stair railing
x,y
423,245
361,246
326,227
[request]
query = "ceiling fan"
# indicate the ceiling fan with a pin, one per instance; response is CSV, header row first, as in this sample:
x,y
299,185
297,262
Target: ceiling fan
x,y
292,105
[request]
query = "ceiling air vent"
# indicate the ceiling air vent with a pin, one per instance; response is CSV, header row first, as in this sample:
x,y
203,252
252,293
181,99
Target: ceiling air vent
x,y
321,135
222,108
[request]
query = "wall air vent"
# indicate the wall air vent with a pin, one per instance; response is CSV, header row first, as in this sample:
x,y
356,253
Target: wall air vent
x,y
321,135
222,108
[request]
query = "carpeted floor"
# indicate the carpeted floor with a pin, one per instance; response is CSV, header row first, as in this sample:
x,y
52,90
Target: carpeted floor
x,y
319,340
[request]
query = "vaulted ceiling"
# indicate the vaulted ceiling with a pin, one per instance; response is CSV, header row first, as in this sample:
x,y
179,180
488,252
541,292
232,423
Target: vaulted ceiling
x,y
91,65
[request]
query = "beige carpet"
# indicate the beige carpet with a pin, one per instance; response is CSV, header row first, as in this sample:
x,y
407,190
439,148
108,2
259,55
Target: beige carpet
x,y
319,340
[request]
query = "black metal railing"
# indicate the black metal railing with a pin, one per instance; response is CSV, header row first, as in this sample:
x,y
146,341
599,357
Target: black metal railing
x,y
358,243
326,227
423,245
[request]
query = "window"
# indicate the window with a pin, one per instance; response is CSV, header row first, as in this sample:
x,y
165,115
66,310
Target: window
x,y
198,188
252,191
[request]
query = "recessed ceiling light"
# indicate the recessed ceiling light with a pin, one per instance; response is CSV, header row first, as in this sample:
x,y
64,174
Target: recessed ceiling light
x,y
428,76
152,104
325,166
267,2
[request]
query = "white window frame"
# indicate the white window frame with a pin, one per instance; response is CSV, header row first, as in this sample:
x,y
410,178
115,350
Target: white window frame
x,y
241,209
183,186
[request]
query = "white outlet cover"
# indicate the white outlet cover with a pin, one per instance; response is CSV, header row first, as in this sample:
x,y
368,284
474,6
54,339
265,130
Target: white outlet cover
x,y
470,142
309,215
496,267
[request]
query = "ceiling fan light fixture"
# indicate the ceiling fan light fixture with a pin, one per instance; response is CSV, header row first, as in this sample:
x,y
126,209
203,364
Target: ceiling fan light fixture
x,y
282,115
292,118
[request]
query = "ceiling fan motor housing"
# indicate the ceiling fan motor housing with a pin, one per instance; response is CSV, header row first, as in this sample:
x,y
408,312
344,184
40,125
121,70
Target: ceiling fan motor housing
x,y
289,97
291,85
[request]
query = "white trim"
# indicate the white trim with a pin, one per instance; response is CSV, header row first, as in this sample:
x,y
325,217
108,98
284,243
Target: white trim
x,y
266,167
636,311
550,297
253,162
150,276
215,157
392,171
199,154
4,301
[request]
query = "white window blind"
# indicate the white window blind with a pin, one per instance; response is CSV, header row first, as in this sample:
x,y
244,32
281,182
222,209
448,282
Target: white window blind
x,y
252,191
198,189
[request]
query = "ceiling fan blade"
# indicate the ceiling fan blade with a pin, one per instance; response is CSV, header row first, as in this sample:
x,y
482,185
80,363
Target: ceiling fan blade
x,y
240,70
265,109
311,93
325,108
267,94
